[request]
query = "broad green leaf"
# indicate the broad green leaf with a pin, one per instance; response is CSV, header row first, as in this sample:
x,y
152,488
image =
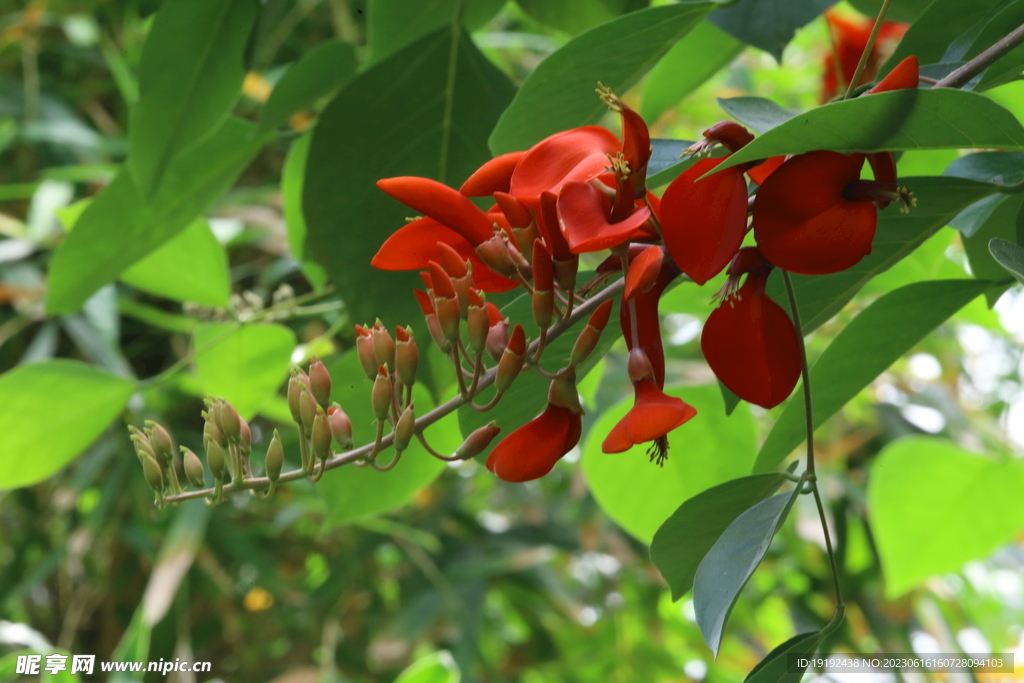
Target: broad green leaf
x,y
927,262
774,668
393,24
356,492
931,35
406,115
1009,256
1002,225
691,61
731,562
941,118
704,452
293,177
685,538
1002,168
439,667
906,11
866,347
935,506
189,78
319,72
768,24
191,266
51,412
668,161
559,94
119,227
939,199
245,364
758,113
576,16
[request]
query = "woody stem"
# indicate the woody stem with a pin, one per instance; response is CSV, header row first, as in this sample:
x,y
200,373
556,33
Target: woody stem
x,y
867,49
960,77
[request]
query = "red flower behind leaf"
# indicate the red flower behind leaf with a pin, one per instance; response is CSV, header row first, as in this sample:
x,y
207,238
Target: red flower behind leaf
x,y
850,36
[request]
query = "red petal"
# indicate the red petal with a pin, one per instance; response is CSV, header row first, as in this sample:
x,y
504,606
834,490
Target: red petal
x,y
547,223
493,176
704,221
752,346
643,271
803,224
653,416
583,217
441,203
764,169
577,154
648,322
516,213
903,76
532,450
415,244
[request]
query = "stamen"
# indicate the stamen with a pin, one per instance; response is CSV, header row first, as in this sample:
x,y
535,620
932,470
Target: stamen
x,y
658,452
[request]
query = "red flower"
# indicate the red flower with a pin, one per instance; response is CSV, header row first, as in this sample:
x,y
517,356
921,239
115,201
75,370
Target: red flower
x,y
850,36
648,324
577,154
531,451
903,76
653,415
586,218
493,176
749,341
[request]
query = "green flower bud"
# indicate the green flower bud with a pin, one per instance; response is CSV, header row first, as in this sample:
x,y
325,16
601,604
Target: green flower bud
x,y
193,468
321,436
154,477
160,440
341,427
275,457
405,430
320,382
381,395
215,459
477,442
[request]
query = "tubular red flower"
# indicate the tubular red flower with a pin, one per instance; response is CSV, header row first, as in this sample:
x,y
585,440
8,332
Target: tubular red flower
x,y
494,176
752,345
802,221
531,451
704,221
648,324
441,203
902,77
643,271
850,36
577,154
517,214
651,418
583,212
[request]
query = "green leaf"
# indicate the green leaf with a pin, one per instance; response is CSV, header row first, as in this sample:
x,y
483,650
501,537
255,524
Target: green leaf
x,y
691,61
930,36
245,364
935,506
293,177
906,11
774,668
758,113
119,227
667,161
190,76
939,199
356,492
731,562
1009,256
1009,66
686,537
941,118
704,452
1002,168
866,347
319,72
576,16
768,24
438,667
407,115
559,94
191,266
52,412
1002,225
393,24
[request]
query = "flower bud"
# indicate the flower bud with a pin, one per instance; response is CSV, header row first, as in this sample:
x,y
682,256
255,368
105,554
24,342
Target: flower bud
x,y
478,441
307,408
407,356
320,382
366,352
562,393
446,303
295,382
496,255
226,417
381,395
405,430
321,436
160,440
245,437
215,459
275,457
152,472
459,269
543,283
497,335
590,335
341,427
193,468
210,431
639,366
512,359
141,442
383,346
433,326
524,227
478,322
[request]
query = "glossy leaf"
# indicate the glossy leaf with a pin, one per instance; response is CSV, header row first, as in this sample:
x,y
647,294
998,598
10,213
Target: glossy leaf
x,y
393,24
189,78
668,163
704,452
685,538
940,118
1009,256
191,266
758,113
439,138
52,412
576,16
1001,168
245,364
1010,65
691,61
731,562
319,72
866,347
119,227
358,492
559,94
774,668
930,37
935,506
1001,225
768,24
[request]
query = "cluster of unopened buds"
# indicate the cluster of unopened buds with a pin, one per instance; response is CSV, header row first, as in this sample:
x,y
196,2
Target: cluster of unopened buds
x,y
575,192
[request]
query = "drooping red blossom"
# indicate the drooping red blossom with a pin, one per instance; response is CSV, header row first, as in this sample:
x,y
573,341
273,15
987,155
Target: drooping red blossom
x,y
585,218
494,176
850,36
652,416
749,341
643,271
704,221
648,324
531,451
577,154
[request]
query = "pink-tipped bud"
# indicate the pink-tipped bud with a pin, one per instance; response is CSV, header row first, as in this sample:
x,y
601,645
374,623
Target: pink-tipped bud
x,y
590,335
295,382
365,351
461,273
405,430
497,335
341,427
496,255
383,346
639,366
512,359
321,436
478,441
320,382
433,326
381,395
407,356
478,322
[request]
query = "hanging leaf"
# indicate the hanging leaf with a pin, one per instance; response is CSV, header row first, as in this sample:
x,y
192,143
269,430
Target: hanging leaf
x,y
768,24
1009,256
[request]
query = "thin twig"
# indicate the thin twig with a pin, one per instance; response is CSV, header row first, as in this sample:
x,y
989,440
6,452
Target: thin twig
x,y
963,75
867,49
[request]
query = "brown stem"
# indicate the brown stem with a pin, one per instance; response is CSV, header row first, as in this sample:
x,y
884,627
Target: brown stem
x,y
963,75
867,49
